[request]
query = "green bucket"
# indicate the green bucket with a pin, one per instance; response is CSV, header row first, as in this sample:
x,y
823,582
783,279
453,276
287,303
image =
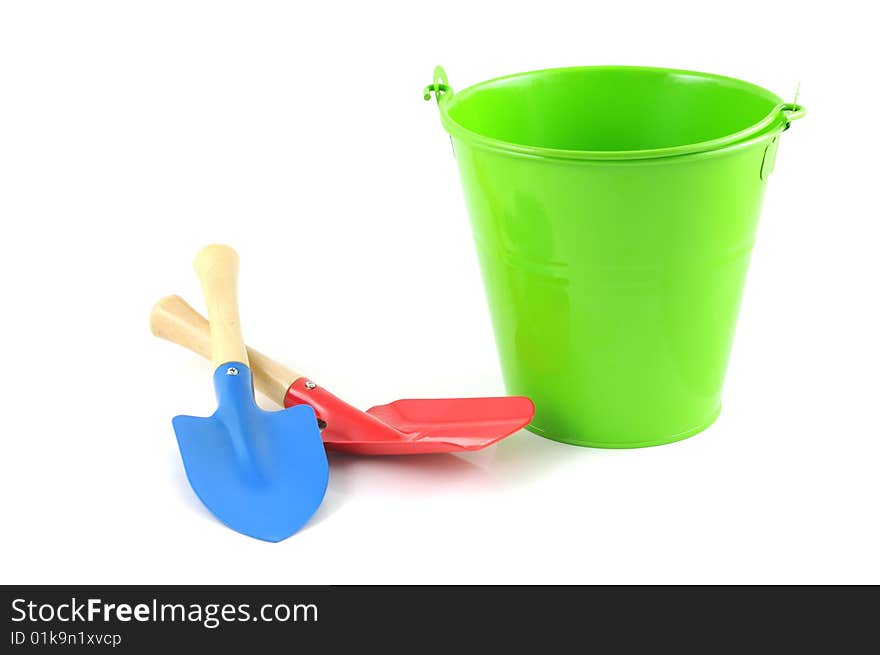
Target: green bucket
x,y
614,211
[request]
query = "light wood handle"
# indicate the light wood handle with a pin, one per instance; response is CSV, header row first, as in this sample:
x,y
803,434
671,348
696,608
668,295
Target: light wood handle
x,y
174,320
217,268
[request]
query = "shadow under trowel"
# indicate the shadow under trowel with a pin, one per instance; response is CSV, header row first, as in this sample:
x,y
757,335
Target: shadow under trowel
x,y
404,474
516,460
524,457
519,459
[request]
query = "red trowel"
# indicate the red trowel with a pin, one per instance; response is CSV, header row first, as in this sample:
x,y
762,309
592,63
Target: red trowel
x,y
404,427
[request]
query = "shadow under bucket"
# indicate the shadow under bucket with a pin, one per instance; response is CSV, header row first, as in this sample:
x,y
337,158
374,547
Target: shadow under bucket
x,y
614,211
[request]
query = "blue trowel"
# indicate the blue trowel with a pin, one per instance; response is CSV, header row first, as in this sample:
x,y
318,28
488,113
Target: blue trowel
x,y
261,473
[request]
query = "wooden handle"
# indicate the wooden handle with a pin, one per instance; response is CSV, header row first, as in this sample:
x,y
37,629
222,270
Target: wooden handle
x,y
174,320
217,268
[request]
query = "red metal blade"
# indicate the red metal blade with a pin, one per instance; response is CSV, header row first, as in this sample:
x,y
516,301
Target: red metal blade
x,y
460,418
407,427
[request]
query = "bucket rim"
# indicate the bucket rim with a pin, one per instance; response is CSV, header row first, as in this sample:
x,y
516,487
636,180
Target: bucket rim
x,y
777,120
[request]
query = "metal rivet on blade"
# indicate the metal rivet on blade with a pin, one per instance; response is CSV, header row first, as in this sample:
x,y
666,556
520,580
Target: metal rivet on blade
x,y
231,371
310,384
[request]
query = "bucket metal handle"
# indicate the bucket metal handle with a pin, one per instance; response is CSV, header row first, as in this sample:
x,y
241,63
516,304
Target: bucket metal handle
x,y
791,111
439,87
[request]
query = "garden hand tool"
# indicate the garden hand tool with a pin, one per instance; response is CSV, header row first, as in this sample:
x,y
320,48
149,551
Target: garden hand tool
x,y
261,473
402,427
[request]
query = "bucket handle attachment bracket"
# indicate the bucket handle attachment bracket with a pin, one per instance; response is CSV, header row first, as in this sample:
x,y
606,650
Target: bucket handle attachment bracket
x,y
439,87
791,111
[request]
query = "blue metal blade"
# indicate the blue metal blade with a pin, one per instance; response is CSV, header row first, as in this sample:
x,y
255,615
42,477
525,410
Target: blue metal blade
x,y
261,473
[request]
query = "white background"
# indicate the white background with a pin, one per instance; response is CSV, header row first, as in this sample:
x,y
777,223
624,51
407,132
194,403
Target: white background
x,y
131,134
